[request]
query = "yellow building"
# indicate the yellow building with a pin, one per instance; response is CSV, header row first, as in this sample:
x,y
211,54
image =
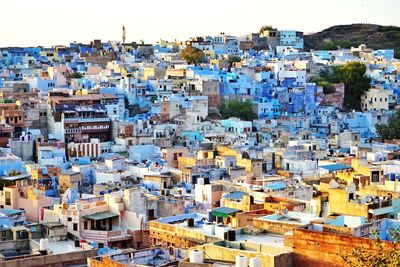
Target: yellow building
x,y
252,165
345,201
220,63
175,73
113,66
153,73
202,158
240,201
362,172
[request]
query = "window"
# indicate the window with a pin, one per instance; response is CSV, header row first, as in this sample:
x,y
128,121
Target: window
x,y
69,219
8,198
375,176
75,227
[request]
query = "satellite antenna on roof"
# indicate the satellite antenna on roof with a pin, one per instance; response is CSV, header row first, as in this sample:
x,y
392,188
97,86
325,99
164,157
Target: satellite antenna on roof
x,y
285,211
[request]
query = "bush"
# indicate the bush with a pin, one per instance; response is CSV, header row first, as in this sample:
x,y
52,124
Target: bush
x,y
391,130
238,109
267,28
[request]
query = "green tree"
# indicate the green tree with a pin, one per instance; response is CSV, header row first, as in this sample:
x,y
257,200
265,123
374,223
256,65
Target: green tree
x,y
329,46
379,255
327,86
238,109
192,55
153,99
75,75
267,28
232,59
356,83
14,173
345,44
355,80
391,130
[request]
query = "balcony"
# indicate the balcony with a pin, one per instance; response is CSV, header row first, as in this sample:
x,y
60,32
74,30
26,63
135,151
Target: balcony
x,y
102,236
381,204
78,120
87,130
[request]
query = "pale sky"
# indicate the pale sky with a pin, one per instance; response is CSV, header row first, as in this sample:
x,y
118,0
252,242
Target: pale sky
x,y
52,22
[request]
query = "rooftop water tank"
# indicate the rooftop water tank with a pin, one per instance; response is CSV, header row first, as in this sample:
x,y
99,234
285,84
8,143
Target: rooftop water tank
x,y
196,256
43,244
255,262
200,181
241,261
209,228
190,222
220,231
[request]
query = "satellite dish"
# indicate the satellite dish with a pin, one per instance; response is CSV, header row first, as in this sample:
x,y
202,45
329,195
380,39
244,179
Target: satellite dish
x,y
285,211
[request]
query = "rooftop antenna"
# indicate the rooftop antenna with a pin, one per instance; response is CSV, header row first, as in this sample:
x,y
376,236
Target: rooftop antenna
x,y
123,34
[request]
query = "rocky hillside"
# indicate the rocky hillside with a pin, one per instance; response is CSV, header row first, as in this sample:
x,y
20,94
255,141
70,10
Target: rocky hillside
x,y
345,36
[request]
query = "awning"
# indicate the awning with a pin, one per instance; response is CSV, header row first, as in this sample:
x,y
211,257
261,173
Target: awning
x,y
224,212
100,216
335,167
381,211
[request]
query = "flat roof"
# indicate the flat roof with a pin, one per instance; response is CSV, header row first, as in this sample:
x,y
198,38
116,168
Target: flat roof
x,y
238,195
10,211
54,225
100,216
335,167
182,217
224,211
63,246
276,186
16,177
291,217
69,172
267,239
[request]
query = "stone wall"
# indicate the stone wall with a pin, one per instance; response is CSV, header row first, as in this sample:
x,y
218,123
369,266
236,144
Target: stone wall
x,y
276,227
72,258
313,248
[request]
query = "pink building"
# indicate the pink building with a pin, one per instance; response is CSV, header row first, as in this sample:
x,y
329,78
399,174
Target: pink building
x,y
25,197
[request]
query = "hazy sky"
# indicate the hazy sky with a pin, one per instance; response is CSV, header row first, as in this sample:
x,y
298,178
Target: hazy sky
x,y
51,22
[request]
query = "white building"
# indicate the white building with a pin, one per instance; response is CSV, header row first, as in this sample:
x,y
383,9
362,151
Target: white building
x,y
377,99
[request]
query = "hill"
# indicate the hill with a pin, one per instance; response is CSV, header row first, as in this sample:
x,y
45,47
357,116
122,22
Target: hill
x,y
345,36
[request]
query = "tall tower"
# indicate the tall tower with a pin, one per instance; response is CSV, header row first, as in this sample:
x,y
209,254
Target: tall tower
x,y
123,34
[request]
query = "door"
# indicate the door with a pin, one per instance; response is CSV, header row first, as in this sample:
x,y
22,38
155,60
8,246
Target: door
x,y
151,214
